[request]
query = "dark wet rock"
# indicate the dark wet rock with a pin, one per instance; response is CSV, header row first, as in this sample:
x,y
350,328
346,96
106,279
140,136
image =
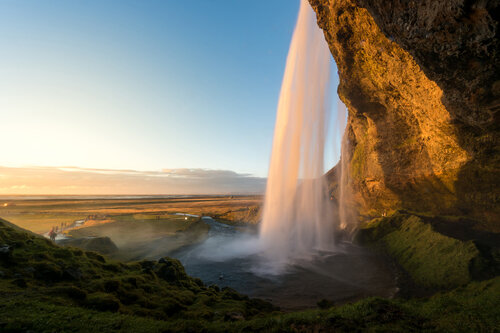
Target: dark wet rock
x,y
5,250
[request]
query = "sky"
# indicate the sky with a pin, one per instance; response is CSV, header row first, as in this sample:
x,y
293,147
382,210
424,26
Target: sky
x,y
146,86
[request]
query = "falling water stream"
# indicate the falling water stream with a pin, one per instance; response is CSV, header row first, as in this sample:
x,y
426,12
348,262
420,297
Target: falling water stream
x,y
297,217
293,260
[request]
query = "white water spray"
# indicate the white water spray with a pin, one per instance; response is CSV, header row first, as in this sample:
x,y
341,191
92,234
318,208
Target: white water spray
x,y
298,217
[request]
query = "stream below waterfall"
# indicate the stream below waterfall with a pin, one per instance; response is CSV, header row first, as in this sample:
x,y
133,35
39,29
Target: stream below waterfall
x,y
348,273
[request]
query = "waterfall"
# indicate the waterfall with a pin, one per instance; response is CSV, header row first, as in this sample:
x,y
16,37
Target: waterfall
x,y
298,215
342,174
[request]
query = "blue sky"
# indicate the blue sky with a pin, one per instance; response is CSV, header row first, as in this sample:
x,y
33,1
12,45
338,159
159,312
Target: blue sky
x,y
143,85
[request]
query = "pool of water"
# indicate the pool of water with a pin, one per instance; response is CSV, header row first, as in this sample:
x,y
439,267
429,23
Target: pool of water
x,y
227,258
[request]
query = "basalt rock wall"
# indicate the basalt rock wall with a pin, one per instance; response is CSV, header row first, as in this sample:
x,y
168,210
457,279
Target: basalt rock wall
x,y
421,83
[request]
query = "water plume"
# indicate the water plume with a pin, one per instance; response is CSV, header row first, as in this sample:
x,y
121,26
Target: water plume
x,y
298,215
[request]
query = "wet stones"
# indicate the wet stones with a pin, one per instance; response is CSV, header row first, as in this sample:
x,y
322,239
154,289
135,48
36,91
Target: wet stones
x,y
4,250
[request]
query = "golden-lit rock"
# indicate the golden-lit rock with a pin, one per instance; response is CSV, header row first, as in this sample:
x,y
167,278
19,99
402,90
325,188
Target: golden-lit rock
x,y
421,129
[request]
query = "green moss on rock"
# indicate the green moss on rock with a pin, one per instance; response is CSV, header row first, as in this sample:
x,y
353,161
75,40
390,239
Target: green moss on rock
x,y
431,259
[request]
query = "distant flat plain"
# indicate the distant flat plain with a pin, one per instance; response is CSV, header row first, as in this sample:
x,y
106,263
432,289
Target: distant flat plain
x,y
40,215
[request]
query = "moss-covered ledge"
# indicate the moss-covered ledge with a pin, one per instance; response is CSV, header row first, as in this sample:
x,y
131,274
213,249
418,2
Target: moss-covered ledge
x,y
432,260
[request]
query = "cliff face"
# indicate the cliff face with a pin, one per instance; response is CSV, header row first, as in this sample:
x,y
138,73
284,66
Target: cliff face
x,y
421,85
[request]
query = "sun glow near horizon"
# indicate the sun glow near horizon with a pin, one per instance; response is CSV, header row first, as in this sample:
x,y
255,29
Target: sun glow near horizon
x,y
82,181
142,86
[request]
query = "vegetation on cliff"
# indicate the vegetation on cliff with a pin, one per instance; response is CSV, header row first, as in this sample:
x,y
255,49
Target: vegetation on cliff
x,y
432,260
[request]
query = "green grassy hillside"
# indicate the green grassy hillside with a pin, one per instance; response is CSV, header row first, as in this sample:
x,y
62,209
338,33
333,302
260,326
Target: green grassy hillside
x,y
47,288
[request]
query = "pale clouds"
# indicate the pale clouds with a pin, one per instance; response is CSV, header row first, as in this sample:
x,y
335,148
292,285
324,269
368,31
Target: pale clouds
x,y
74,180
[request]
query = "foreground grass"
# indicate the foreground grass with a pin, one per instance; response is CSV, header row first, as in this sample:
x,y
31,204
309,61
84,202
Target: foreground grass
x,y
474,308
46,288
34,271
